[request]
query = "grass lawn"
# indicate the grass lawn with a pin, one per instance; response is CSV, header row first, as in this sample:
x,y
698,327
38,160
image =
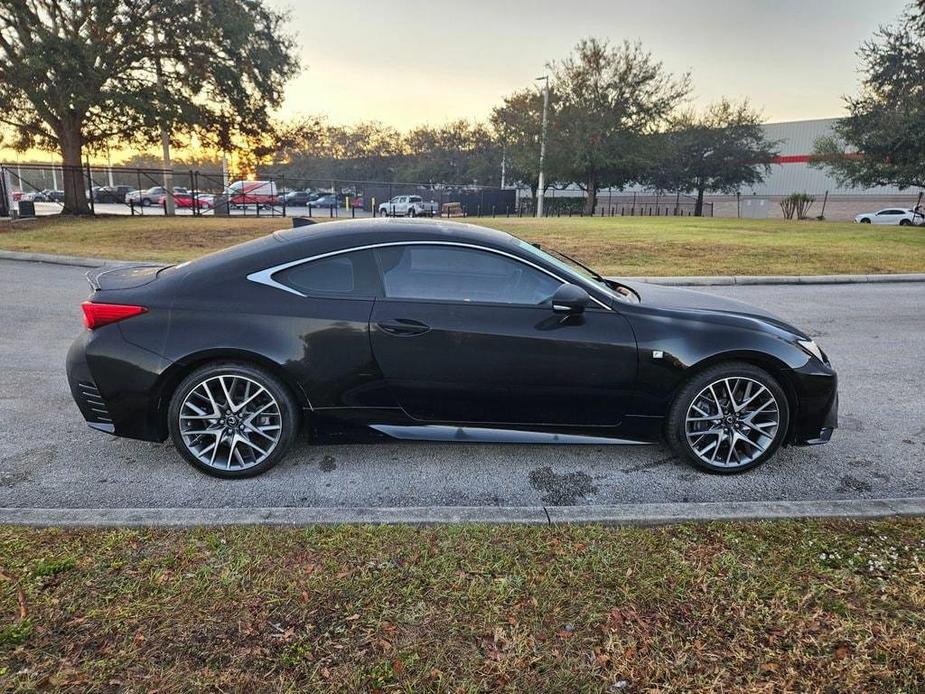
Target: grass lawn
x,y
782,606
615,245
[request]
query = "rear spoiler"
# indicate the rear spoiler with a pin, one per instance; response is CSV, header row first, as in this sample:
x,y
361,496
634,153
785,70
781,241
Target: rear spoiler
x,y
123,276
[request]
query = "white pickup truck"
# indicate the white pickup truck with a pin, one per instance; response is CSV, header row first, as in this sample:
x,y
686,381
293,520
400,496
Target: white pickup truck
x,y
408,206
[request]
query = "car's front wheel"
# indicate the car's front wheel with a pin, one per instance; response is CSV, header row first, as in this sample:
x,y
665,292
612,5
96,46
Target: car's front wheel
x,y
728,418
865,220
232,420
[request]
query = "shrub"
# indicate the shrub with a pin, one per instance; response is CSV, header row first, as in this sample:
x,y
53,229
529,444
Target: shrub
x,y
797,203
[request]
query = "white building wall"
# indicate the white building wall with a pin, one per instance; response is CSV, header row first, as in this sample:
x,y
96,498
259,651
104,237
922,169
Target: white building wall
x,y
794,175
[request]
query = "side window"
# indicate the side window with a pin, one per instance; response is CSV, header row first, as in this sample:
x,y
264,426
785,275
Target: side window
x,y
447,273
347,275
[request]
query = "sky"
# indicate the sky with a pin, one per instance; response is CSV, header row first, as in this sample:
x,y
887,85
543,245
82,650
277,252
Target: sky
x,y
407,62
411,62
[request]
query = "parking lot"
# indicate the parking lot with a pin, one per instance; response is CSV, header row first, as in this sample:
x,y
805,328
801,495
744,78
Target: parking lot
x,y
875,335
43,209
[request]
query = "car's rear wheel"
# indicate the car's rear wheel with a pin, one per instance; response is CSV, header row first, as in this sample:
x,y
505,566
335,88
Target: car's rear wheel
x,y
905,223
232,420
728,418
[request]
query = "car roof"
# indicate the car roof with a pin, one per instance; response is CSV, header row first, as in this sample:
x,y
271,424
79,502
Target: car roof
x,y
296,243
385,229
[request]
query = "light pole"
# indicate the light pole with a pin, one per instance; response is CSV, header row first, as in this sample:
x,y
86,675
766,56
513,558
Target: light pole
x,y
541,186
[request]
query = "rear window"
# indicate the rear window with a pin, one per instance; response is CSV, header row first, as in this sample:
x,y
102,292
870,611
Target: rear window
x,y
346,275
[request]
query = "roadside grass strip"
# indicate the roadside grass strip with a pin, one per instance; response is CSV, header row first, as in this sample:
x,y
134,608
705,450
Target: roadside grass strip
x,y
758,606
621,246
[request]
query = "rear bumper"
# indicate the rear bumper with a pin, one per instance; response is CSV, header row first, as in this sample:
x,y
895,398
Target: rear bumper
x,y
114,384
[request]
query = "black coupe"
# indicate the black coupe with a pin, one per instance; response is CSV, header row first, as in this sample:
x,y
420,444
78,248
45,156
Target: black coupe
x,y
437,331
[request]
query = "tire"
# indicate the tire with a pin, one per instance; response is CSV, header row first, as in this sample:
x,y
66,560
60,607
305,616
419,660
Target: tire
x,y
240,449
744,438
865,220
145,202
905,223
412,212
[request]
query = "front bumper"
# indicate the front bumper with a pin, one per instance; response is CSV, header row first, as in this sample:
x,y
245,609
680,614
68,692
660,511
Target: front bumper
x,y
816,415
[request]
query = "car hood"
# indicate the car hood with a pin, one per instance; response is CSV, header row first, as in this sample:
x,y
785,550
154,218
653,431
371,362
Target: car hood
x,y
675,298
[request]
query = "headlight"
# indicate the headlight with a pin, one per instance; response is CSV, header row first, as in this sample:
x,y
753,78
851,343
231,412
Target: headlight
x,y
810,347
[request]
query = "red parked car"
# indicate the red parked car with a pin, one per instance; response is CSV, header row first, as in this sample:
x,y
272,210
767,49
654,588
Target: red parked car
x,y
185,200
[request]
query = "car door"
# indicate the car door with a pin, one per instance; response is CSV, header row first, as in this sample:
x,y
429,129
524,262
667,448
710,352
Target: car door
x,y
337,370
468,335
887,217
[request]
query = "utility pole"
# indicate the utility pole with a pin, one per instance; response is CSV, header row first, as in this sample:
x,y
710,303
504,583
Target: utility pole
x,y
542,182
503,163
224,172
165,142
109,164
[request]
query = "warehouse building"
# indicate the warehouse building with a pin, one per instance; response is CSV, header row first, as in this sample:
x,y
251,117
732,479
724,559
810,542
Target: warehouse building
x,y
791,173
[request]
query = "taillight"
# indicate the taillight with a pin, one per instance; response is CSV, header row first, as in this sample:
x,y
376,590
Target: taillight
x,y
97,315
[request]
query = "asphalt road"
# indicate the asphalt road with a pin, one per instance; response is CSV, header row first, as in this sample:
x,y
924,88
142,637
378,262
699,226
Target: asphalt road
x,y
874,334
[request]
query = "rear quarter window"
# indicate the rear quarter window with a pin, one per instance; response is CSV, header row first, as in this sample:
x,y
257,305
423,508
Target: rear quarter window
x,y
346,275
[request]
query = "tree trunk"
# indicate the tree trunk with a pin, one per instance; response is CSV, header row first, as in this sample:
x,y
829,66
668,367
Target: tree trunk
x,y
75,190
698,208
591,200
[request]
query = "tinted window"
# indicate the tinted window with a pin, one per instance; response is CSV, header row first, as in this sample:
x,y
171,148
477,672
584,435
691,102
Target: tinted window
x,y
461,274
345,275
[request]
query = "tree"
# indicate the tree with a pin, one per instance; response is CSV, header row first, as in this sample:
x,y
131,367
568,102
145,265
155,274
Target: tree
x,y
77,74
609,97
881,140
716,151
458,152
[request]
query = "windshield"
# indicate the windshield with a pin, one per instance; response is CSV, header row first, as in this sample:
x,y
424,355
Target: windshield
x,y
570,267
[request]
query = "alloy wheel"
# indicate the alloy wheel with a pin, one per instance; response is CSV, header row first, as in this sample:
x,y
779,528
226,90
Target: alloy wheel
x,y
732,422
230,422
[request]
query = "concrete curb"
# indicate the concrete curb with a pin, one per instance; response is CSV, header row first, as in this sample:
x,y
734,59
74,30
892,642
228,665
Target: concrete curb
x,y
704,281
690,281
74,260
628,514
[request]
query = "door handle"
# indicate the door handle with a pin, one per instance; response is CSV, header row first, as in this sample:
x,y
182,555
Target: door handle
x,y
404,327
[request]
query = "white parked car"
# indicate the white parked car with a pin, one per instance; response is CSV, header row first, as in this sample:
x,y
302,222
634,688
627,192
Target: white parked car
x,y
891,215
408,206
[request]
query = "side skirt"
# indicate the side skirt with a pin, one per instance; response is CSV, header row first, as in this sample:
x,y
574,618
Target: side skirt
x,y
439,432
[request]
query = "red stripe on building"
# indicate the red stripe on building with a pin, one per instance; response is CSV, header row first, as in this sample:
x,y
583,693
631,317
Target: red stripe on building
x,y
792,159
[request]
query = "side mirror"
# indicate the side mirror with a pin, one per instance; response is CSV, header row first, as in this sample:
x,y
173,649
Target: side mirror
x,y
570,299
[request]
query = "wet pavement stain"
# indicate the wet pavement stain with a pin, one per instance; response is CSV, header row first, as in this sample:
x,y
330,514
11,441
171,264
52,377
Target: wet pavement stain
x,y
561,490
649,465
328,464
850,422
852,484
